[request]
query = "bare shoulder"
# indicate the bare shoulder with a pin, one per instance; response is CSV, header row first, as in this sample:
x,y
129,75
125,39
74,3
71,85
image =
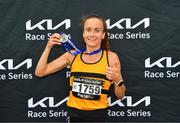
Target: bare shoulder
x,y
67,57
113,57
70,56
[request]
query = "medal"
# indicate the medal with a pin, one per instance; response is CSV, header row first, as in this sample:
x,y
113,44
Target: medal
x,y
67,43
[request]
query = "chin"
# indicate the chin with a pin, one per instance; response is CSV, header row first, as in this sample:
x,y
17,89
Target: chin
x,y
92,45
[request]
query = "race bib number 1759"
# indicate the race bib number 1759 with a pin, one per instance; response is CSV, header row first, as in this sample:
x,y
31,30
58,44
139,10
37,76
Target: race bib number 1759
x,y
87,88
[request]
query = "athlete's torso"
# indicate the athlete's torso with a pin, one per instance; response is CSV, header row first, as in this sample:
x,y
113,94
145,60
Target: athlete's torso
x,y
88,83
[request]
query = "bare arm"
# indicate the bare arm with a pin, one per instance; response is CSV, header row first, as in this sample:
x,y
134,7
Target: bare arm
x,y
44,68
114,73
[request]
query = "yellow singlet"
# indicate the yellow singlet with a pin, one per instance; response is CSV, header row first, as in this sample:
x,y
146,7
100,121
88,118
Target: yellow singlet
x,y
88,84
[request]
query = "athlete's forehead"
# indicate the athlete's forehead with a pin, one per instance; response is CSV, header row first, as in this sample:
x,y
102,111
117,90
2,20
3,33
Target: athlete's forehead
x,y
93,23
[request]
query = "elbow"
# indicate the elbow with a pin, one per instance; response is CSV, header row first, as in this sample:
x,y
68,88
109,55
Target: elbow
x,y
39,74
120,96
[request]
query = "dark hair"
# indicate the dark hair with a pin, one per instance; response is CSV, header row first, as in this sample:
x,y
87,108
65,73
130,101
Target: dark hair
x,y
105,41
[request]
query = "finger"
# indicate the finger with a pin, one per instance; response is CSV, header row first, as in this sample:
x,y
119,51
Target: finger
x,y
109,77
55,41
56,36
109,68
108,72
58,43
113,69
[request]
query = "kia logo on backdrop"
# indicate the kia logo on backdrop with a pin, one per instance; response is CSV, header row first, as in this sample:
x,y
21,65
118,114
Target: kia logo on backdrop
x,y
135,107
43,28
133,29
159,63
10,66
129,24
50,102
167,68
47,24
127,101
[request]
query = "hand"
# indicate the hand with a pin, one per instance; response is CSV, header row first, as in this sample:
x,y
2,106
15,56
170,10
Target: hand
x,y
112,73
54,40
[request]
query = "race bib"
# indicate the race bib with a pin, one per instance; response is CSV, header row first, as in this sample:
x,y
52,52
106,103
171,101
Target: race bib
x,y
87,88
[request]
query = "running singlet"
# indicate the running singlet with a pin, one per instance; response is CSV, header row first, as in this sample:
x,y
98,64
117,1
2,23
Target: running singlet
x,y
88,84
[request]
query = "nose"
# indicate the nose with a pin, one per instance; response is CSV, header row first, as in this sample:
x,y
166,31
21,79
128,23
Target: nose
x,y
92,33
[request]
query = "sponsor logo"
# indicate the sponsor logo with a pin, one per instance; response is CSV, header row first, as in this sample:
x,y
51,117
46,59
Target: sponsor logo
x,y
12,67
166,68
128,23
135,108
131,33
158,63
46,102
44,26
129,102
52,103
123,24
47,24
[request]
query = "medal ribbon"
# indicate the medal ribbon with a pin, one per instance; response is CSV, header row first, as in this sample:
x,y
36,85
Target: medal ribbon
x,y
67,41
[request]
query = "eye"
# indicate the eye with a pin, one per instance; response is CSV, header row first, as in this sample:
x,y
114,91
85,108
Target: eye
x,y
88,29
97,30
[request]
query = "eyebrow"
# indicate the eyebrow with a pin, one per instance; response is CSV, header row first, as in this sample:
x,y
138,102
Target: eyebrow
x,y
90,27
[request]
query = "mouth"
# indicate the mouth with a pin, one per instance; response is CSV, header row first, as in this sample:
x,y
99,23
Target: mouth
x,y
91,39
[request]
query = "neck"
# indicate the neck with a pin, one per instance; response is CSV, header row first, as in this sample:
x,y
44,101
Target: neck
x,y
92,51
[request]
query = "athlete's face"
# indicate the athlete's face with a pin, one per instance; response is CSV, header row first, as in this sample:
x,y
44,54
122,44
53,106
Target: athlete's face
x,y
93,32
